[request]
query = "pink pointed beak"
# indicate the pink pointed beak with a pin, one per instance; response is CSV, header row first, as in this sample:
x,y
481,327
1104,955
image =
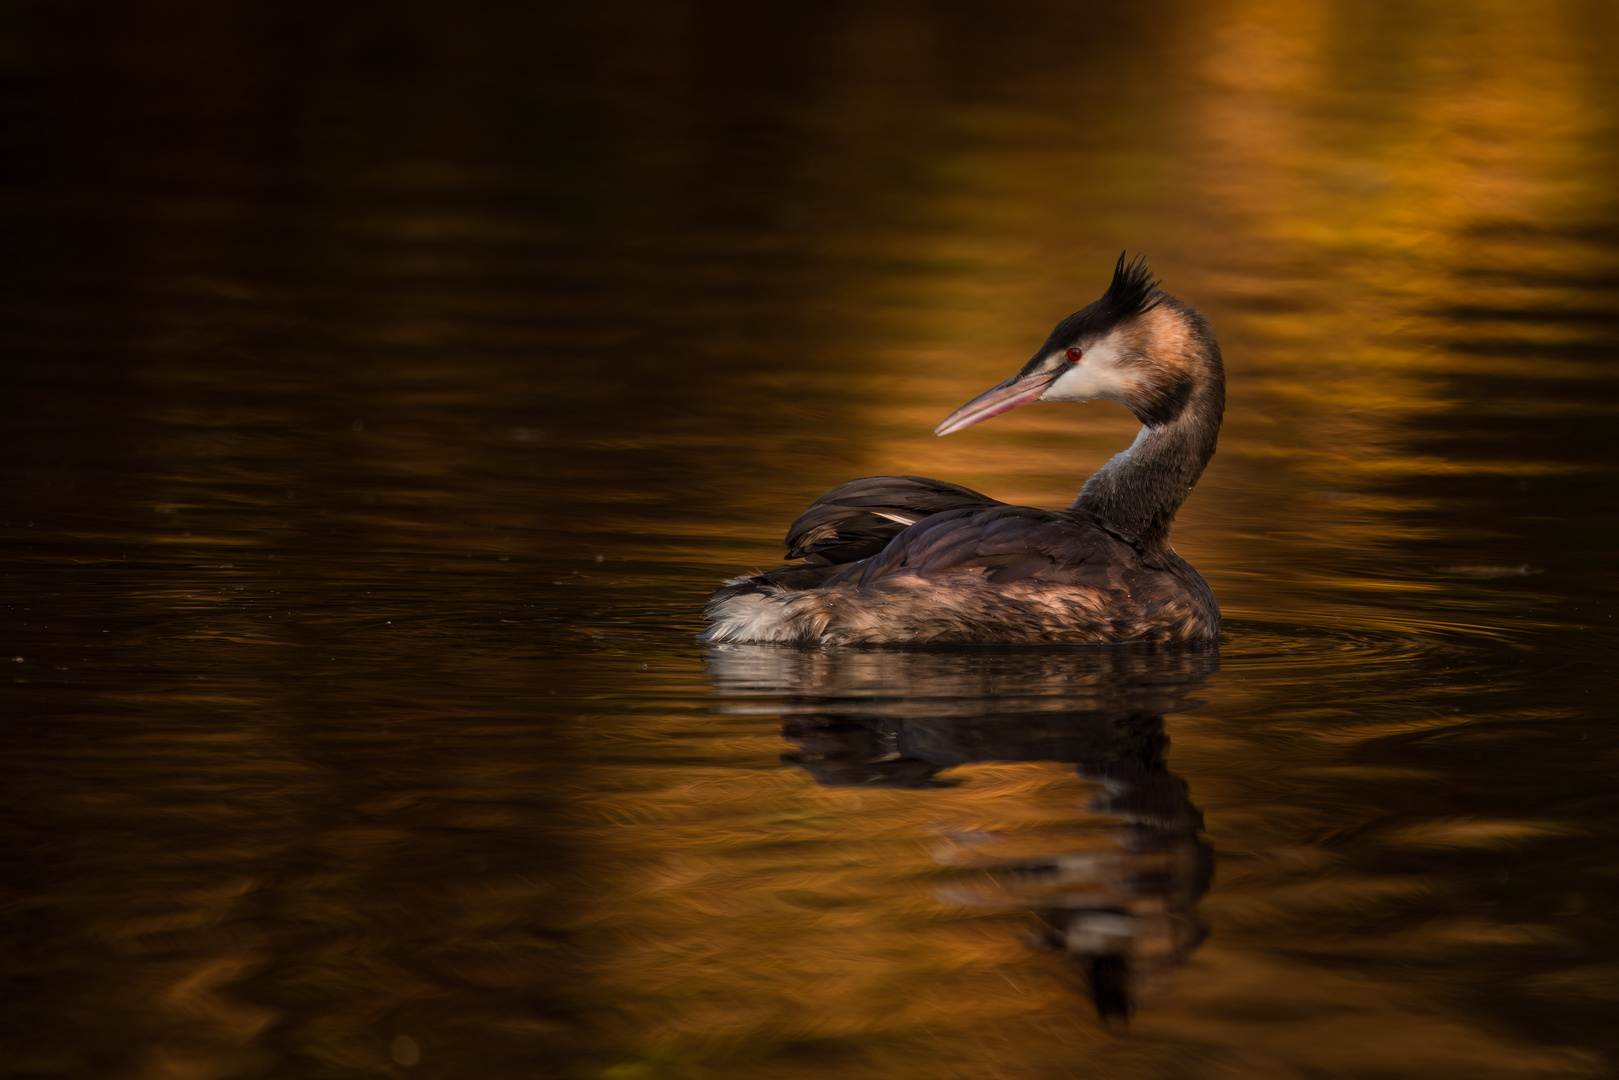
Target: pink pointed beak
x,y
1018,390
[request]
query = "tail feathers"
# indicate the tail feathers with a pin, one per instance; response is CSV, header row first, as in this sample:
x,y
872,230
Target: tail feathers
x,y
758,610
784,579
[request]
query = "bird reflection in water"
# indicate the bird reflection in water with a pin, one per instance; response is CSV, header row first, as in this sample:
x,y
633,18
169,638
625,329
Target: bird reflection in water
x,y
1123,906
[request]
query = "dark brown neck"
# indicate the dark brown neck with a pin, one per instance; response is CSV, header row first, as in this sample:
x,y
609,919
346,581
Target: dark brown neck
x,y
1136,494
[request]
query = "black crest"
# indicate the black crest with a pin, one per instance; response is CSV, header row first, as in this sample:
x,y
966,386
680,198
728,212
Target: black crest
x,y
1133,291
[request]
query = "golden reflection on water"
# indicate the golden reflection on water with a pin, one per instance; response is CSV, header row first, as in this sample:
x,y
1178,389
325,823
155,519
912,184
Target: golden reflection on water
x,y
884,914
411,453
1330,218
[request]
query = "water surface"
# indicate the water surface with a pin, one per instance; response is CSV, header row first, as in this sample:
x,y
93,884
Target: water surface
x,y
386,389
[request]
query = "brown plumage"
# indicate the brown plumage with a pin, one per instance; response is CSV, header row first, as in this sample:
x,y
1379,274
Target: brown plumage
x,y
904,559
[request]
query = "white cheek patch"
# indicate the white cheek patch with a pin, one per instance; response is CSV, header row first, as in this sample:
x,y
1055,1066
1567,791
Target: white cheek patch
x,y
1098,375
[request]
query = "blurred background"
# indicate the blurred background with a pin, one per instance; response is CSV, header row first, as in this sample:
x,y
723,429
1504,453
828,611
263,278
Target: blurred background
x,y
386,385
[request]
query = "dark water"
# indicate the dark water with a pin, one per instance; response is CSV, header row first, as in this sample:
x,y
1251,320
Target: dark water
x,y
385,387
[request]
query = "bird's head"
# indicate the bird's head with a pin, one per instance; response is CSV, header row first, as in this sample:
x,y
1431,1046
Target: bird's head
x,y
1135,344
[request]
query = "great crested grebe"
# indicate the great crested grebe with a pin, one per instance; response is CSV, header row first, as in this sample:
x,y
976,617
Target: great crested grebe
x,y
907,560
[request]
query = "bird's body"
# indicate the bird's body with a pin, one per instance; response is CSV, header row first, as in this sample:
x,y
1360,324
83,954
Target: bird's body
x,y
907,560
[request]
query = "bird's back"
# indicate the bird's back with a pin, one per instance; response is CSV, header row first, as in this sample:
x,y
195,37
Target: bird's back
x,y
892,560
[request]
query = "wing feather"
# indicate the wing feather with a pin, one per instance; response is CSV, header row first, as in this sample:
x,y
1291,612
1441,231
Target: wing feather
x,y
866,531
1006,544
856,520
1025,566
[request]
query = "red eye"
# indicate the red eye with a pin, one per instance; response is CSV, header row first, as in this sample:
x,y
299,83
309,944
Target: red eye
x,y
1074,355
